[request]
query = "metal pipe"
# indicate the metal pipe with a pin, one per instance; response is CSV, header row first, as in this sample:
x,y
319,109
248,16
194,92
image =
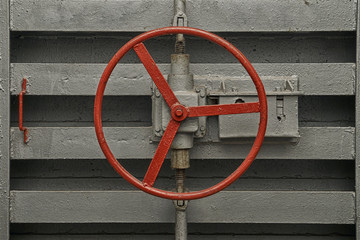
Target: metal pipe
x,y
180,161
179,12
180,207
179,5
180,157
180,225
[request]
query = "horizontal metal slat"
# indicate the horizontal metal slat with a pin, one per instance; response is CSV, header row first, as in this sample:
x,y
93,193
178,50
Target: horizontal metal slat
x,y
132,79
170,236
219,16
134,143
244,184
224,207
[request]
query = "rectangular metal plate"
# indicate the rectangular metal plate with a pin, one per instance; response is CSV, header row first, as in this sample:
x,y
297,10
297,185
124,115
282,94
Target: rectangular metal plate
x,y
246,125
282,102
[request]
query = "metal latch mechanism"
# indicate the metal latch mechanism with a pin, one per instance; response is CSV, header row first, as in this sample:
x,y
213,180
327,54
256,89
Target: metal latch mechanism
x,y
282,93
182,82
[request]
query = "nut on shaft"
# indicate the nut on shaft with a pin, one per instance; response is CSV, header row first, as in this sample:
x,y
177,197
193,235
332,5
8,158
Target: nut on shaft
x,y
180,159
180,44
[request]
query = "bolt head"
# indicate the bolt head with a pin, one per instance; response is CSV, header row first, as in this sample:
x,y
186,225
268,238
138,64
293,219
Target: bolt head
x,y
179,112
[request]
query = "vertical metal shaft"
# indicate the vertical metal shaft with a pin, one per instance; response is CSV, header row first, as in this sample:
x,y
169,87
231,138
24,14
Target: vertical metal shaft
x,y
180,178
180,44
180,206
179,5
180,161
179,10
180,157
180,225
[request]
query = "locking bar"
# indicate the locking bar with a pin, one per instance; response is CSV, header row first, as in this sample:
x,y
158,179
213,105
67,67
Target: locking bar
x,y
180,80
21,127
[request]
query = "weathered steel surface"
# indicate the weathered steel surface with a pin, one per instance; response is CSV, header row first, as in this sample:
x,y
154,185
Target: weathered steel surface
x,y
134,143
132,79
224,207
357,126
221,231
243,184
4,119
219,16
316,77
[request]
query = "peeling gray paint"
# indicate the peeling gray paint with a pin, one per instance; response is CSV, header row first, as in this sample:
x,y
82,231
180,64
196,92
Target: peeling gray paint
x,y
224,207
132,79
60,160
4,120
220,16
135,143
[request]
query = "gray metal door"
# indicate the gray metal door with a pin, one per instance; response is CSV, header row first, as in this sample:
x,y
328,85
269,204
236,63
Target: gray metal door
x,y
58,185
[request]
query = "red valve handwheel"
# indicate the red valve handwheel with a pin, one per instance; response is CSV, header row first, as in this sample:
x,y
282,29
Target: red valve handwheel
x,y
180,113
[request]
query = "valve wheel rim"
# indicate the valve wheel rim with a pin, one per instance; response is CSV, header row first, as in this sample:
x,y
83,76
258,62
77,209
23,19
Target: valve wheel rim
x,y
148,188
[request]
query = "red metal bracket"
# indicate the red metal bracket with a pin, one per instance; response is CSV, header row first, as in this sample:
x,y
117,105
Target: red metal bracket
x,y
21,127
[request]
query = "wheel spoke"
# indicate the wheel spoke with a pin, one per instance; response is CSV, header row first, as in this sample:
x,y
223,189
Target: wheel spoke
x,y
155,74
223,109
161,152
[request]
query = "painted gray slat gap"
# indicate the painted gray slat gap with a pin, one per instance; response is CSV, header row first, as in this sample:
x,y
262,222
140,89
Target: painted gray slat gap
x,y
357,126
220,16
134,143
204,228
336,47
132,79
167,237
200,168
4,119
135,111
224,207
